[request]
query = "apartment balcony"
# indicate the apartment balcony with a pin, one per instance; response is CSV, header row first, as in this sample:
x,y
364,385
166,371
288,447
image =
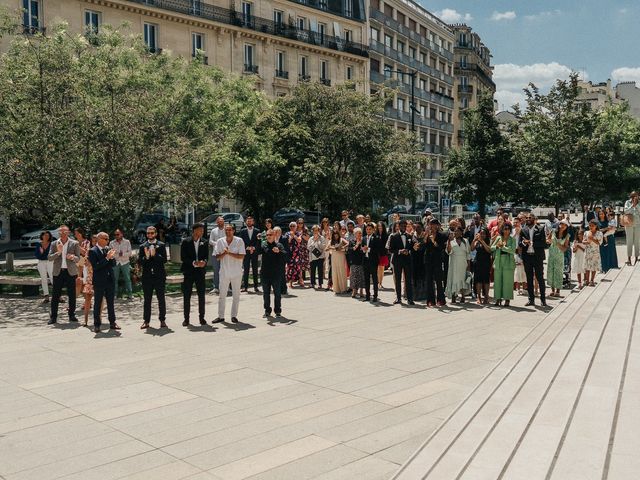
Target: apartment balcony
x,y
334,8
304,78
263,25
33,30
282,74
460,68
249,68
465,88
154,50
203,58
325,81
420,121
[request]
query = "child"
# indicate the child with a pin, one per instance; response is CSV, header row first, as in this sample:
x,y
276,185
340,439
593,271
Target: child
x,y
592,264
579,248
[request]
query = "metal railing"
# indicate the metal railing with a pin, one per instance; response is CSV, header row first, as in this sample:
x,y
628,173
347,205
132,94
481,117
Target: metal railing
x,y
325,81
304,78
250,68
282,74
465,88
32,30
231,17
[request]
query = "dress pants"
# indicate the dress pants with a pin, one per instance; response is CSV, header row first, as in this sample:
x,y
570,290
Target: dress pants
x,y
215,263
149,284
108,293
435,279
197,277
126,274
63,280
398,269
269,282
235,290
370,274
534,265
250,260
317,269
633,240
45,269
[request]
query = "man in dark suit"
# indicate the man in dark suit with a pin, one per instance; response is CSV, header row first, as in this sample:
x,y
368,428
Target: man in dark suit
x,y
434,252
400,245
371,246
151,257
102,260
533,242
273,261
251,241
285,248
194,252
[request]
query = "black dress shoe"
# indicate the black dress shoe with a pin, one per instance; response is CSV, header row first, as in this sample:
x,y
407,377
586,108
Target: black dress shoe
x,y
163,325
96,329
52,321
185,323
278,315
234,319
218,320
530,304
114,326
73,319
375,299
367,298
544,304
267,313
203,321
144,325
397,302
411,302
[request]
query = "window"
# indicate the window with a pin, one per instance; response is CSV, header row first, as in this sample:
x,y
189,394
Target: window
x,y
400,104
423,58
387,71
151,37
464,81
423,111
301,23
281,65
375,34
349,72
388,40
324,70
91,21
348,35
463,61
278,17
443,116
423,84
412,52
304,67
322,30
375,65
400,46
432,114
464,102
322,4
400,18
348,8
247,10
249,59
31,15
197,43
375,4
388,10
196,8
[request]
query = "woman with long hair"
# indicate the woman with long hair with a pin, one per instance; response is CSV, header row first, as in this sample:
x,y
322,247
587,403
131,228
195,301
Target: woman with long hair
x,y
558,244
338,247
383,262
504,265
45,267
482,265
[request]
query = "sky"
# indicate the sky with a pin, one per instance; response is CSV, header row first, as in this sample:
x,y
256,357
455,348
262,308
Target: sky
x,y
542,40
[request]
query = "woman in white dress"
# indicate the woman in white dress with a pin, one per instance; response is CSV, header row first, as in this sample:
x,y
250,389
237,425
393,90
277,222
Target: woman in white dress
x,y
592,263
519,277
579,248
459,256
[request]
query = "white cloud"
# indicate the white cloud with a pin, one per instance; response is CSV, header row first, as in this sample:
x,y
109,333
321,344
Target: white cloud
x,y
511,79
544,15
626,74
497,16
449,15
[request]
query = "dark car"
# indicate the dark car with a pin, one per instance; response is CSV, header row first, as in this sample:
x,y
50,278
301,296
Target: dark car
x,y
396,209
235,219
151,220
284,216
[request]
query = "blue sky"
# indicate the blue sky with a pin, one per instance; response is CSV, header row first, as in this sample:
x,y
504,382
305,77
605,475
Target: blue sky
x,y
542,40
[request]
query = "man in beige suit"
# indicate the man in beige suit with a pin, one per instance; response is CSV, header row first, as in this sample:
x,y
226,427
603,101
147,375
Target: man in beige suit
x,y
64,253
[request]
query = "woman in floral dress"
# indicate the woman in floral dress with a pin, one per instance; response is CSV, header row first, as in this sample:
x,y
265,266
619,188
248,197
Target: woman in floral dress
x,y
592,263
558,244
304,251
294,264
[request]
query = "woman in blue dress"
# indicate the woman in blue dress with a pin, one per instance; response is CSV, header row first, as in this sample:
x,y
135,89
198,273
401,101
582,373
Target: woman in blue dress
x,y
608,255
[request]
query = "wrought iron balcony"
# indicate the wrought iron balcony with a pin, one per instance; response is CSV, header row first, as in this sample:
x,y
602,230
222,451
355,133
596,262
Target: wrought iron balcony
x,y
154,50
465,88
231,17
282,74
325,81
304,78
32,30
203,58
250,68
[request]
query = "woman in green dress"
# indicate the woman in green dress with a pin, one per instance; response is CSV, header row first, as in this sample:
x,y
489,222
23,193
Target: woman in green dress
x,y
504,265
558,244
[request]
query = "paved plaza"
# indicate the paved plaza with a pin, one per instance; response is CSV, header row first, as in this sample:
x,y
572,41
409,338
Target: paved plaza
x,y
337,389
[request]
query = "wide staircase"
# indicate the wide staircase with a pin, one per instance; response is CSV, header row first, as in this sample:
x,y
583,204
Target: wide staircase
x,y
564,404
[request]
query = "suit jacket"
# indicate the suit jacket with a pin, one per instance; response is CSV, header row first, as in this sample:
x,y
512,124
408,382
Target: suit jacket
x,y
102,267
434,254
73,248
395,245
375,250
272,263
539,239
253,242
153,267
189,255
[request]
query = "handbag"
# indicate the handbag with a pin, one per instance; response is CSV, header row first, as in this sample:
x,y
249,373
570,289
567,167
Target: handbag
x,y
316,252
626,220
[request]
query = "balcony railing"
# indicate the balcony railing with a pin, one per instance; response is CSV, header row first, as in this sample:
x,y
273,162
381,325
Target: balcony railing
x,y
204,59
392,82
325,81
395,114
32,30
282,74
465,88
231,17
304,78
155,50
461,68
250,68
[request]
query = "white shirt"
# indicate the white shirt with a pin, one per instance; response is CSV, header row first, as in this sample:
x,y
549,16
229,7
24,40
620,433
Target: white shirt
x,y
531,230
65,246
196,245
230,267
216,234
368,240
123,251
403,236
250,232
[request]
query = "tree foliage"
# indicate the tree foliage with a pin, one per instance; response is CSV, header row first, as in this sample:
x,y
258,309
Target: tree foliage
x,y
482,169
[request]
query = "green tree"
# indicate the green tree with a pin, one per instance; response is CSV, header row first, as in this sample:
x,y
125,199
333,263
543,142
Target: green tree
x,y
338,151
96,130
481,170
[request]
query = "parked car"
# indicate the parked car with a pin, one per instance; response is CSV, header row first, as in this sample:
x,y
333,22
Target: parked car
x,y
31,239
283,217
472,207
151,220
396,209
230,217
432,206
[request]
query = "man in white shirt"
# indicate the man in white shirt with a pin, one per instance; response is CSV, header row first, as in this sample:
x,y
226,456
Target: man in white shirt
x,y
122,247
230,253
216,234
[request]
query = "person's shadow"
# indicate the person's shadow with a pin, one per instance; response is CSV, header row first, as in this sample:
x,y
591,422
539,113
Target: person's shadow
x,y
202,328
238,326
158,332
282,320
108,334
